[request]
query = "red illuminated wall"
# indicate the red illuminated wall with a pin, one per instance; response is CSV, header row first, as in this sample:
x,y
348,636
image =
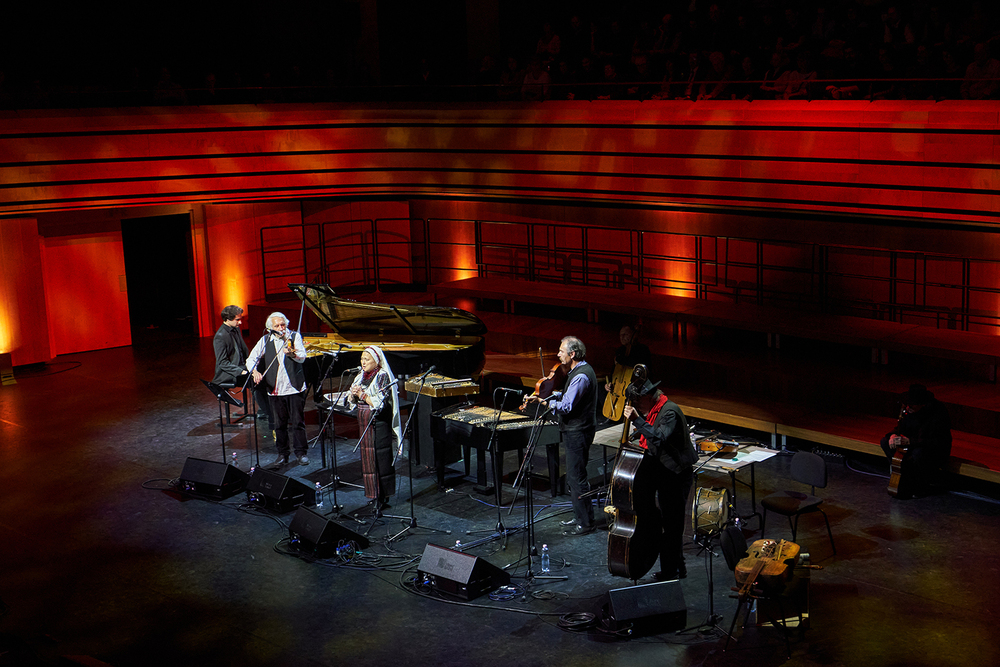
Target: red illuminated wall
x,y
86,292
768,189
23,318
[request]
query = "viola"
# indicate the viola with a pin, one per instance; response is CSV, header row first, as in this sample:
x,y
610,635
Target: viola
x,y
766,566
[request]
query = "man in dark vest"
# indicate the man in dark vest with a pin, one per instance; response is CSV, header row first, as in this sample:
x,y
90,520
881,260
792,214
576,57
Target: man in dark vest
x,y
231,355
663,432
576,408
283,353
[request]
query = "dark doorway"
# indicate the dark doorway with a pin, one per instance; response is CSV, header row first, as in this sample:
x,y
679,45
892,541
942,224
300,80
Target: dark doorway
x,y
157,268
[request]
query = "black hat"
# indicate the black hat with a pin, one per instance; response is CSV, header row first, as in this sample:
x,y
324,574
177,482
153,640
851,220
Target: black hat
x,y
916,395
647,387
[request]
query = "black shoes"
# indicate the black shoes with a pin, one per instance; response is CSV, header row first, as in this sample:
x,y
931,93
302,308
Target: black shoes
x,y
279,462
679,573
303,460
579,530
568,522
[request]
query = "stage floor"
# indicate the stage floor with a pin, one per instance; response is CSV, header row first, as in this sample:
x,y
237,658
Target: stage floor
x,y
104,560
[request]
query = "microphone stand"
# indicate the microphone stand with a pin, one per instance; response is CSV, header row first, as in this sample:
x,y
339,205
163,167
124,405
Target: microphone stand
x,y
529,504
409,461
500,531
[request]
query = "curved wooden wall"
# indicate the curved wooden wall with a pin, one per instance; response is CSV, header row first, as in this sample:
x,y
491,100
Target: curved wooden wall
x,y
919,160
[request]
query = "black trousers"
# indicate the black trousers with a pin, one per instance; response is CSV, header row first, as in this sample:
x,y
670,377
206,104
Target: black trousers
x,y
577,444
288,422
672,491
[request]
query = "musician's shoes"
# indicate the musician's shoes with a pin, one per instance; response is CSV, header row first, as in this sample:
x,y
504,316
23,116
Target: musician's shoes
x,y
679,573
579,530
303,460
279,462
568,522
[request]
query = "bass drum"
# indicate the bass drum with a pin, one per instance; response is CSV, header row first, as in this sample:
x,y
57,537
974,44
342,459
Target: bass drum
x,y
710,511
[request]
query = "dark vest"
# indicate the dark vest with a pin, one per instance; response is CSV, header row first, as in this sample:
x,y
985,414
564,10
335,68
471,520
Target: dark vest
x,y
583,416
292,367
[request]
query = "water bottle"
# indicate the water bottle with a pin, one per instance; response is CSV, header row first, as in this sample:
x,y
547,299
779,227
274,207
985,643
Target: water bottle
x,y
319,495
236,460
545,558
458,545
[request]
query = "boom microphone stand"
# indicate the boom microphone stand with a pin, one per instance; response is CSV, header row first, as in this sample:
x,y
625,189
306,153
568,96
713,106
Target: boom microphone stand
x,y
500,531
409,459
529,504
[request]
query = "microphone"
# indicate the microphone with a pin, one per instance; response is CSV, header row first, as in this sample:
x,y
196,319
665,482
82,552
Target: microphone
x,y
342,345
426,373
516,392
356,369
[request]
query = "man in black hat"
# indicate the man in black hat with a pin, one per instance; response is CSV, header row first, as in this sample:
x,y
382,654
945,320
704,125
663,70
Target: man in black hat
x,y
924,428
663,431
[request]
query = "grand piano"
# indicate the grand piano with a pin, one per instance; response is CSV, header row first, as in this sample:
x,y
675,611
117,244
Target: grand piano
x,y
413,338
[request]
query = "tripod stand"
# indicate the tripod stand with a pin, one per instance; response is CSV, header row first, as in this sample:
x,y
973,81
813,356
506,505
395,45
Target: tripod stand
x,y
500,532
328,422
529,504
409,463
704,540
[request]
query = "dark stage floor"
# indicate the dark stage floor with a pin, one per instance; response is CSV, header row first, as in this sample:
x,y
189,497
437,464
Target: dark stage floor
x,y
101,561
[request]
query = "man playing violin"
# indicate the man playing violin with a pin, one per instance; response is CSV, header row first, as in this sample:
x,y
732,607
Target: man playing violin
x,y
663,432
576,408
283,354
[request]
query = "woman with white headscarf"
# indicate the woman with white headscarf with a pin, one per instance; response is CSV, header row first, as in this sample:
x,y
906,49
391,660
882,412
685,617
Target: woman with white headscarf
x,y
374,391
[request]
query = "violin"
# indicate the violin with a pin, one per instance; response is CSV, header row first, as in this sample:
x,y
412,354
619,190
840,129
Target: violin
x,y
549,383
725,450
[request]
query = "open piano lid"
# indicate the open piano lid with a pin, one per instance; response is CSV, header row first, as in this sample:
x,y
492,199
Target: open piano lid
x,y
346,317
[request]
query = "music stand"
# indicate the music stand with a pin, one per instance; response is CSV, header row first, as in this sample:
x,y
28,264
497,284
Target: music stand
x,y
223,396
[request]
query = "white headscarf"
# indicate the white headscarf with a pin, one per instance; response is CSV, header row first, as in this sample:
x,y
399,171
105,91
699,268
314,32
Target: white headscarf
x,y
383,364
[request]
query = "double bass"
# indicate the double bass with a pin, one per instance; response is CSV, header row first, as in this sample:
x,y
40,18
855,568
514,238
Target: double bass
x,y
634,533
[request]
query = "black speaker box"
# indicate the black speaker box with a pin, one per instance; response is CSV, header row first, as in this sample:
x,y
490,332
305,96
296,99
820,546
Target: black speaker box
x,y
276,492
456,573
211,479
313,533
648,609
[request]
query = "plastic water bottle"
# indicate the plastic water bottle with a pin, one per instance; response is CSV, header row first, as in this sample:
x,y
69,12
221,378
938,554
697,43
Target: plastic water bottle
x,y
235,460
458,545
319,495
545,558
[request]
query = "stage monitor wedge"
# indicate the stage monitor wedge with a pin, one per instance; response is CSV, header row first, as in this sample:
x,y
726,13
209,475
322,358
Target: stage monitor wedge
x,y
276,492
646,609
460,574
211,479
314,534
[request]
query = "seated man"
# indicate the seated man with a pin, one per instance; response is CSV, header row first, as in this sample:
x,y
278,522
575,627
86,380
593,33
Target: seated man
x,y
230,356
924,429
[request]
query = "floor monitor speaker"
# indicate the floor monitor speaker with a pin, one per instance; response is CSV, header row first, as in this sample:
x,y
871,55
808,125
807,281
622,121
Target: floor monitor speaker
x,y
460,574
276,492
313,533
211,479
647,609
